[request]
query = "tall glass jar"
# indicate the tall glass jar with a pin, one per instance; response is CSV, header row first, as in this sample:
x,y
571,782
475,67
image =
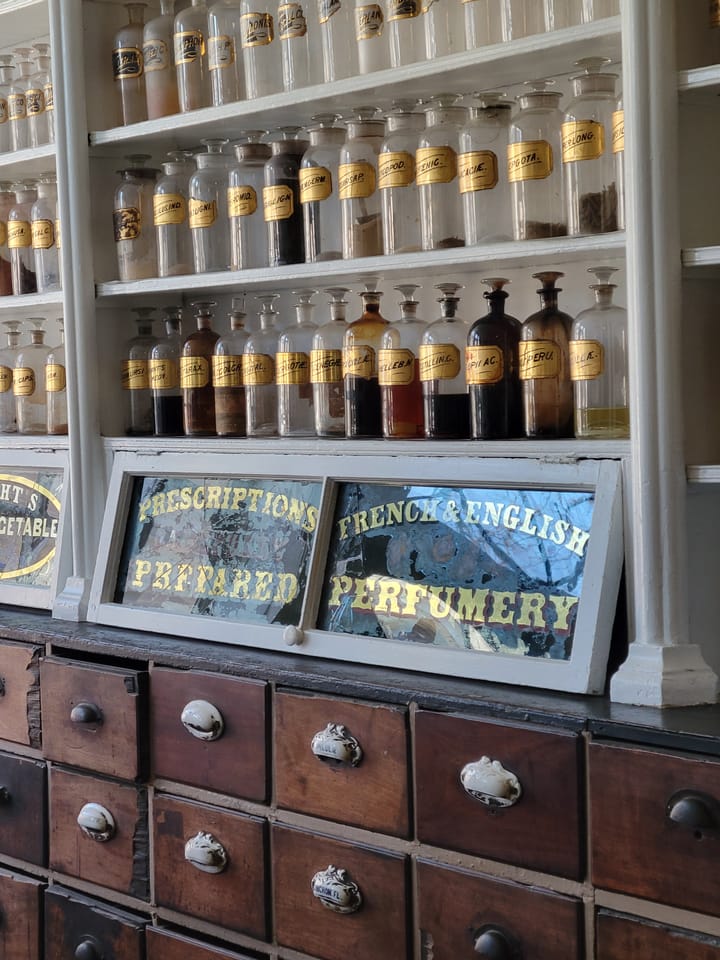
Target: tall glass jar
x,y
43,217
588,161
227,374
224,52
170,216
6,76
282,210
360,202
198,395
296,413
482,176
207,209
8,357
191,59
260,48
406,36
441,215
135,245
371,36
444,28
161,91
164,376
337,33
7,202
135,375
44,62
37,116
363,404
618,149
19,235
319,190
297,32
259,372
483,22
326,374
561,14
534,168
127,63
522,18
17,104
56,387
446,402
29,381
399,371
396,178
246,179
599,9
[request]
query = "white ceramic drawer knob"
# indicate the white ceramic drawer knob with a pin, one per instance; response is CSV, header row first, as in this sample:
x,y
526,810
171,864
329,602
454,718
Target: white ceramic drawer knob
x,y
335,744
489,782
96,822
202,720
336,890
206,853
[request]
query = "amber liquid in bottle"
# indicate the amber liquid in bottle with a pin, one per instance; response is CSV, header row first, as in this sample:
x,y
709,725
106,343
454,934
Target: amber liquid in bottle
x,y
363,406
399,372
196,376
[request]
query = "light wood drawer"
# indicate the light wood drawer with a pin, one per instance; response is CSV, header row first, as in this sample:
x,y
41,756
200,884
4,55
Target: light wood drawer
x,y
76,926
20,693
23,809
170,945
620,937
20,917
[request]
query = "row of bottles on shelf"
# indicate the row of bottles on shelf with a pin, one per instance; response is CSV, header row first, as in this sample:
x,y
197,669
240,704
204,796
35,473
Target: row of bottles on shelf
x,y
29,237
497,378
410,182
235,49
33,384
27,102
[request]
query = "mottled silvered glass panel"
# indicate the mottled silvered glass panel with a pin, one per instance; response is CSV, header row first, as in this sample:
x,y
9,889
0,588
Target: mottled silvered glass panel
x,y
463,568
30,504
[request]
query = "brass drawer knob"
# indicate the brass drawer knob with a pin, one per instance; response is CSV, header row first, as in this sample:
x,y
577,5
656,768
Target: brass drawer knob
x,y
495,944
489,782
335,890
336,745
206,853
86,713
202,720
89,949
96,822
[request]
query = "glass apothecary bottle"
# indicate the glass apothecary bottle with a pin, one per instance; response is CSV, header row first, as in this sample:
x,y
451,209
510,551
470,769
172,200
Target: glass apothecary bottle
x,y
246,179
523,18
297,32
618,149
17,105
44,62
6,75
170,216
544,364
588,161
446,401
207,208
282,210
43,217
8,358
600,9
336,21
127,65
491,365
441,215
29,381
326,371
164,376
533,165
561,14
259,372
363,403
191,57
483,22
161,90
360,202
260,49
56,386
444,28
19,237
227,375
227,79
319,190
37,116
399,371
135,376
399,193
598,364
296,413
7,202
373,50
135,244
482,170
198,394
405,31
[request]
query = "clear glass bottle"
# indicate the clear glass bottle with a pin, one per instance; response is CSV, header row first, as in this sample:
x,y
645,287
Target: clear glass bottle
x,y
326,372
282,210
246,179
360,202
135,244
191,59
164,376
441,214
227,79
337,34
444,28
127,64
522,18
534,168
399,193
19,235
446,401
319,190
482,170
8,358
44,62
600,9
29,381
207,209
399,371
7,202
405,31
561,14
483,22
373,49
363,404
170,216
297,29
56,386
259,372
6,76
544,364
37,116
598,364
17,104
588,162
227,375
161,90
491,365
135,375
296,412
618,149
260,49
43,217
198,394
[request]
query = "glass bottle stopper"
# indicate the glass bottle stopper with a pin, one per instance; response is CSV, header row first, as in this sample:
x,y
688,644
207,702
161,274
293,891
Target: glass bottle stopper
x,y
591,65
448,290
407,290
361,114
441,101
250,136
496,285
268,313
38,328
337,294
13,328
41,49
214,144
602,276
548,278
237,313
144,318
137,159
320,120
22,53
172,315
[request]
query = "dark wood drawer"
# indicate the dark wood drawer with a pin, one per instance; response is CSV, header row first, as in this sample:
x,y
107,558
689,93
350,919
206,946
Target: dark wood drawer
x,y
23,809
533,821
20,693
620,937
305,866
20,923
76,926
170,945
93,717
189,835
210,730
327,776
463,914
116,857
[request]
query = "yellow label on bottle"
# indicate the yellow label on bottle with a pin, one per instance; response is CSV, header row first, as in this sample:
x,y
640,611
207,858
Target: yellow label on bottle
x,y
258,369
23,381
369,21
315,184
3,110
55,380
203,213
169,209
435,165
49,97
292,368
221,52
477,170
134,375
16,106
257,29
539,359
326,9
3,233
127,63
714,13
278,203
57,234
6,379
156,55
194,372
326,366
618,130
242,201
396,368
587,359
396,169
227,371
529,160
163,374
484,365
356,180
359,361
19,234
439,361
291,21
402,9
189,46
582,140
34,102
43,234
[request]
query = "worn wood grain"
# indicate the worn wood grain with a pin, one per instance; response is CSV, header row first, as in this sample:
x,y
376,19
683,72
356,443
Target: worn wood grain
x,y
20,916
23,809
619,938
72,919
20,693
170,945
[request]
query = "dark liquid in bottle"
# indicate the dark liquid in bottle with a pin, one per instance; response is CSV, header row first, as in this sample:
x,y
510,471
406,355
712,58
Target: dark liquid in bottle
x,y
286,238
199,411
230,411
168,416
363,413
496,410
24,280
403,409
5,278
447,416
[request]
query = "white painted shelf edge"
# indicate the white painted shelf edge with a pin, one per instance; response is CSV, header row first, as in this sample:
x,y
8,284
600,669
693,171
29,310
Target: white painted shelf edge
x,y
22,163
699,79
30,303
701,256
703,473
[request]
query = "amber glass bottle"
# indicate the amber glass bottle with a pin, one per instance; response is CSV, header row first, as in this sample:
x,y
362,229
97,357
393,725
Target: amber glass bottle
x,y
363,411
196,374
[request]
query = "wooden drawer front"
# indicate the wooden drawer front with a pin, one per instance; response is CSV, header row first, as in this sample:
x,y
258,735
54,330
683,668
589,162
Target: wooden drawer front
x,y
20,693
458,909
619,938
169,945
92,716
234,897
234,761
375,931
117,859
76,926
20,926
540,830
23,809
372,794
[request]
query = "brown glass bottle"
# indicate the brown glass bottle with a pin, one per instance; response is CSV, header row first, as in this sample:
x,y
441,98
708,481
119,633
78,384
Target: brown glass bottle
x,y
363,410
196,374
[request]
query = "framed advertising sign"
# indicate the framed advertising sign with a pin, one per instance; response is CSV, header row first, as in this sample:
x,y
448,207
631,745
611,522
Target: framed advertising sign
x,y
490,575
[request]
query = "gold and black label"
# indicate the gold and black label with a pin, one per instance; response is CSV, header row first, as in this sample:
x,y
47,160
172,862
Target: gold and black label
x,y
127,223
402,9
221,52
55,379
49,94
57,234
326,366
127,63
356,180
539,359
43,234
202,213
257,29
23,381
292,368
396,368
291,21
194,372
327,8
435,165
587,359
34,102
227,371
439,361
163,374
3,110
477,170
396,169
618,130
315,184
529,160
484,365
3,233
242,201
6,379
359,361
714,12
582,140
258,369
156,55
16,106
19,234
134,375
278,203
169,209
369,21
189,46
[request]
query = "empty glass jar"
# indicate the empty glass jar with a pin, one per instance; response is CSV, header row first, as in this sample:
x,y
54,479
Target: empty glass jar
x,y
191,59
43,217
260,49
170,215
360,203
207,209
441,216
161,92
127,61
396,178
319,190
135,245
482,166
227,79
246,179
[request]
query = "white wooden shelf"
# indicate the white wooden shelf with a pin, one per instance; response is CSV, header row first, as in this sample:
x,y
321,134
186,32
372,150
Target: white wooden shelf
x,y
701,258
37,443
700,85
703,473
22,21
27,163
29,304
